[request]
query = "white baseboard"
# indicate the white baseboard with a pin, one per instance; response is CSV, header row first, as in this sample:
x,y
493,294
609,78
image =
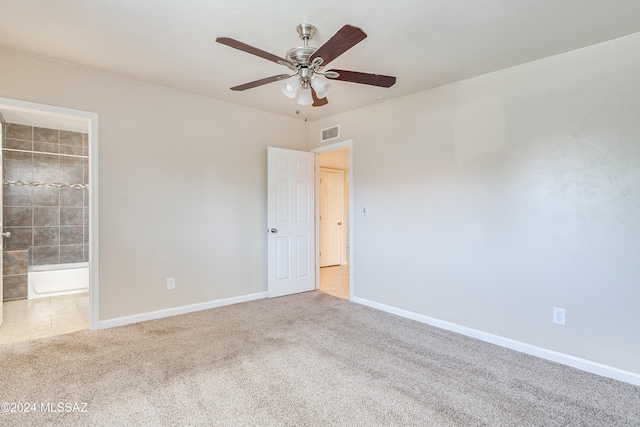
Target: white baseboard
x,y
565,359
127,320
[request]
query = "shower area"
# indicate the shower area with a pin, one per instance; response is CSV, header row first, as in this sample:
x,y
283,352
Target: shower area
x,y
45,211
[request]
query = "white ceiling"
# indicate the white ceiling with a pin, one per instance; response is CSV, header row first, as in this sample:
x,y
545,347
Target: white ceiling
x,y
425,43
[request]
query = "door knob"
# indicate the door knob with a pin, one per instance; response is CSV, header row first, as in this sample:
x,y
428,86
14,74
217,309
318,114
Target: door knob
x,y
6,234
273,230
340,223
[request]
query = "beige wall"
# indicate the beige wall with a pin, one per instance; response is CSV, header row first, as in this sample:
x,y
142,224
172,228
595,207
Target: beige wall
x,y
182,184
495,199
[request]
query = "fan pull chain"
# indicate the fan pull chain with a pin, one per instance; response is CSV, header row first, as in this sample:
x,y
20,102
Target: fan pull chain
x,y
305,113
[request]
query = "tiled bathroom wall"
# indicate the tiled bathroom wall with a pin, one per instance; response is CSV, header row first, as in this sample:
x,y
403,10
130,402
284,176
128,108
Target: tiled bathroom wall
x,y
45,201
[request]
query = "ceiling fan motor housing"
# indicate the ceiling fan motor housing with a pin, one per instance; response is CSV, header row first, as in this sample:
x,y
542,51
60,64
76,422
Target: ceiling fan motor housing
x,y
300,55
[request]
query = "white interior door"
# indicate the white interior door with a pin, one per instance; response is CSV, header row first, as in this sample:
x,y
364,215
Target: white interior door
x,y
290,221
331,216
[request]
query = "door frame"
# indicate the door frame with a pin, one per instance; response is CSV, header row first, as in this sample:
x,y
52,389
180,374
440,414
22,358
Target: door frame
x,y
326,148
92,123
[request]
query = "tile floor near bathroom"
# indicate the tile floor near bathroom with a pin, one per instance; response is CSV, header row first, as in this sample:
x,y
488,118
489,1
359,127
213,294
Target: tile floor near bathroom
x,y
28,319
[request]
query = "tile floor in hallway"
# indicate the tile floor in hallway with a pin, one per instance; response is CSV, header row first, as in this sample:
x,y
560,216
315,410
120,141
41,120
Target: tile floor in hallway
x,y
43,317
334,281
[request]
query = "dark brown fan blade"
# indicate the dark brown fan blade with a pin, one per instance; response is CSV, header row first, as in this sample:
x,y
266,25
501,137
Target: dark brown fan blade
x,y
364,78
346,38
249,49
260,82
317,102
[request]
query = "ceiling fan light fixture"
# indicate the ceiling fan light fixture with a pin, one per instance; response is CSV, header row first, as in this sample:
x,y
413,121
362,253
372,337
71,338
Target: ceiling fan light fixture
x,y
305,97
290,87
321,87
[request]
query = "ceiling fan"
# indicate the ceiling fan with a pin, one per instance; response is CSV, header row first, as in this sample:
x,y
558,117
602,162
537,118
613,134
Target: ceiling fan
x,y
307,64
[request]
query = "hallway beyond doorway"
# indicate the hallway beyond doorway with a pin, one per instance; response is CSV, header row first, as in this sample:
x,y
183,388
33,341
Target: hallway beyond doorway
x,y
335,281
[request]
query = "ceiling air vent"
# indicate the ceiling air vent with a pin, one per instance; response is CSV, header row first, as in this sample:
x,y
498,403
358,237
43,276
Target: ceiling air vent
x,y
330,133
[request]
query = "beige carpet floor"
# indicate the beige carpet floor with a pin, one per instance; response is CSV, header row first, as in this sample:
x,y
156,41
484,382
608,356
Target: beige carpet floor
x,y
304,360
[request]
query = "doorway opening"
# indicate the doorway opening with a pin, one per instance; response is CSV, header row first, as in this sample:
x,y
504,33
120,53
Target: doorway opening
x,y
334,220
49,223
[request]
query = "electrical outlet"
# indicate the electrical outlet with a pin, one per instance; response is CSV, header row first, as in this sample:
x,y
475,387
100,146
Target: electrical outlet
x,y
171,283
558,316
